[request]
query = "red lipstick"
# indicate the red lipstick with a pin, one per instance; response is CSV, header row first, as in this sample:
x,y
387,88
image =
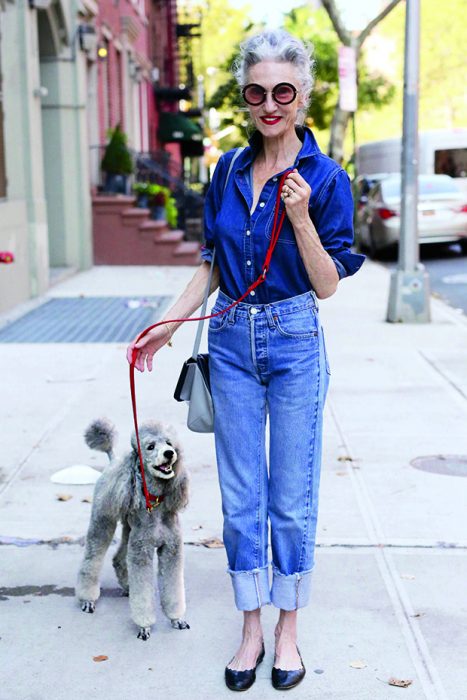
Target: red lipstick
x,y
270,120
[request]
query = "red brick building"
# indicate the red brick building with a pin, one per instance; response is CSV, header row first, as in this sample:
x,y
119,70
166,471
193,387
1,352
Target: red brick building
x,y
136,52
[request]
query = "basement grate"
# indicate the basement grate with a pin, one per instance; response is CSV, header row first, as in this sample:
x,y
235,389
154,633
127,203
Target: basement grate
x,y
86,320
449,465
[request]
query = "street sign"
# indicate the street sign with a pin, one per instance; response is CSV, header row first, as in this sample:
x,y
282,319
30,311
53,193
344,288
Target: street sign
x,y
347,66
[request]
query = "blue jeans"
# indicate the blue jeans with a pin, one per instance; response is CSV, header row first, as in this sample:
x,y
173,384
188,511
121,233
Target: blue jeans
x,y
269,359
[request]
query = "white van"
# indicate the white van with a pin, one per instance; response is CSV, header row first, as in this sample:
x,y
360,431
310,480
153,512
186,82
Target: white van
x,y
441,152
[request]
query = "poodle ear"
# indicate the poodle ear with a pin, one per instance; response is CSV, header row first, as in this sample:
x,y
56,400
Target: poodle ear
x,y
177,497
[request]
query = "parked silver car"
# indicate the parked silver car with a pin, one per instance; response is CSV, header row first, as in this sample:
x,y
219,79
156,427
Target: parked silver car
x,y
442,213
361,187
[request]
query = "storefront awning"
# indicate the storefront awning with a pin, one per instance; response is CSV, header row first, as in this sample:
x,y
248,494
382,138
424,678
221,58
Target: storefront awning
x,y
176,127
172,94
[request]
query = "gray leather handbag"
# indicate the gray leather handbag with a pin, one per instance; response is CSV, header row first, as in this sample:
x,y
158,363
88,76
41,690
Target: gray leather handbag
x,y
193,384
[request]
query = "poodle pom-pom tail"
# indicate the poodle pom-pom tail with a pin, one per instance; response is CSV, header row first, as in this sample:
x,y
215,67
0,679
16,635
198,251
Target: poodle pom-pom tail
x,y
100,435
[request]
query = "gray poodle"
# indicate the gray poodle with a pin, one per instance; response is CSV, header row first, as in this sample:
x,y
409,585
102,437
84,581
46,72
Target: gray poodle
x,y
118,496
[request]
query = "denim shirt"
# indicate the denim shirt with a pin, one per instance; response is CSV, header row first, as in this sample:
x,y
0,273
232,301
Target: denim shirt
x,y
241,239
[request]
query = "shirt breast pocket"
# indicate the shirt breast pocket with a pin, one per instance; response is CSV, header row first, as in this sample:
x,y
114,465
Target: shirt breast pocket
x,y
287,234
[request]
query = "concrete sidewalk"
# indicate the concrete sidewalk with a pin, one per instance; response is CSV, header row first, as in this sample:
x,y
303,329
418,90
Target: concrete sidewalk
x,y
389,584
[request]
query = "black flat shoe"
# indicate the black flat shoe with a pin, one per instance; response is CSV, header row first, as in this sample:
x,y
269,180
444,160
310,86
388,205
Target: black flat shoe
x,y
242,680
284,680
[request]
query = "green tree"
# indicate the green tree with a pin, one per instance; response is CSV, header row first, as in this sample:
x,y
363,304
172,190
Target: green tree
x,y
443,70
222,27
341,117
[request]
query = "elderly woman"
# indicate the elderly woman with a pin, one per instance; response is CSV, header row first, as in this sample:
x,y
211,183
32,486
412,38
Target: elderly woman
x,y
267,354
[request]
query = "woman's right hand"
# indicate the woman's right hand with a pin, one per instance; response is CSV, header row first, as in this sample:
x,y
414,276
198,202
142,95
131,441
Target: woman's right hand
x,y
148,346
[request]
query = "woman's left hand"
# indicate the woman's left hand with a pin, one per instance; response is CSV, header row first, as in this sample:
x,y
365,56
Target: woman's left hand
x,y
296,197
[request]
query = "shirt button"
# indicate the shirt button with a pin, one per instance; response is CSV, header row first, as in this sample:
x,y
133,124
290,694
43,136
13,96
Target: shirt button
x,y
262,204
248,232
274,179
248,262
252,293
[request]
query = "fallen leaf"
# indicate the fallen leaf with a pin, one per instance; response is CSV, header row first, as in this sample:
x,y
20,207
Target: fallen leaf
x,y
86,499
212,543
418,615
408,577
101,657
400,683
197,527
341,473
64,496
344,458
358,664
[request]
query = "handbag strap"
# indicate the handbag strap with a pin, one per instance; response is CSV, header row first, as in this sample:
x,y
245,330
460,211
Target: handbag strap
x,y
199,331
152,501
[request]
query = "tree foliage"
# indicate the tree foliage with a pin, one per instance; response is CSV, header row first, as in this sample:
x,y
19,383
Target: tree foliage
x,y
443,69
222,27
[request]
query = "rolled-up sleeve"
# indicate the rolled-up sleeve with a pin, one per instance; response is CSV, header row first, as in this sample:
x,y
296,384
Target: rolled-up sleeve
x,y
211,207
332,215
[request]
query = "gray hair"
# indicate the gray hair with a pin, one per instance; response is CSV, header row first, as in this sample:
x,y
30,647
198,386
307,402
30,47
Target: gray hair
x,y
277,45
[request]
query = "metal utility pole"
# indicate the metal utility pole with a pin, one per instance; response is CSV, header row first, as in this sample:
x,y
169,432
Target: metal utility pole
x,y
409,295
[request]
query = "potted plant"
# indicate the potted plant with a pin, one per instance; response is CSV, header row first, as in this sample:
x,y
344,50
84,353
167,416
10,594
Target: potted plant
x,y
117,163
141,190
171,212
158,203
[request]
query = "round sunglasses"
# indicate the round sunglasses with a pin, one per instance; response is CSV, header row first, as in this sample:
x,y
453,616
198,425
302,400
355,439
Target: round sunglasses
x,y
282,93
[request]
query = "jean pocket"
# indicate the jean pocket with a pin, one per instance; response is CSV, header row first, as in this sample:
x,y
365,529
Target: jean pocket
x,y
300,325
326,358
217,323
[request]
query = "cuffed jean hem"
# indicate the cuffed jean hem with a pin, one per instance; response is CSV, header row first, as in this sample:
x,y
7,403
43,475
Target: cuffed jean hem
x,y
290,592
251,588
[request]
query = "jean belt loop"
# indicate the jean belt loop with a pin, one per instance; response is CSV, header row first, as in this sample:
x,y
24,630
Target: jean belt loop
x,y
231,315
270,315
315,299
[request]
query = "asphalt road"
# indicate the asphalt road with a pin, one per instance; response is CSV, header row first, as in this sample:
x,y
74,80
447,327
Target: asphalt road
x,y
447,267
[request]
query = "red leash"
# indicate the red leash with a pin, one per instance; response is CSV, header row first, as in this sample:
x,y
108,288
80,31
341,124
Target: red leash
x,y
151,500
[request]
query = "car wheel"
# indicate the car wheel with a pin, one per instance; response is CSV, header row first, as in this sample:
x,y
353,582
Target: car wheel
x,y
372,249
361,239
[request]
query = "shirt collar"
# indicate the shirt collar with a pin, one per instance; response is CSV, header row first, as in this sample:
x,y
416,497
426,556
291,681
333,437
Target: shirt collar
x,y
309,145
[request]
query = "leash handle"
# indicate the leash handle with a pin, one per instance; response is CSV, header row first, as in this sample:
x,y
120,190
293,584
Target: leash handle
x,y
152,501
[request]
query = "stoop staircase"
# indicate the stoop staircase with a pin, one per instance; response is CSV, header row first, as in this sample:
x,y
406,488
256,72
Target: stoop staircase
x,y
125,235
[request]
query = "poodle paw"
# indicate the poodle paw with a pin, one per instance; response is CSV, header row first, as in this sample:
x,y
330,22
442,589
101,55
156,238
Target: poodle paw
x,y
144,633
88,606
179,624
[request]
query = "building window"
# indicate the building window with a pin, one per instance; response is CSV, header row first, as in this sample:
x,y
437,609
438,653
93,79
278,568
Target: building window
x,y
105,92
119,90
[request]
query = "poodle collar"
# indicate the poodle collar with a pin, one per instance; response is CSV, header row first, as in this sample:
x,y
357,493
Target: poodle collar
x,y
154,501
